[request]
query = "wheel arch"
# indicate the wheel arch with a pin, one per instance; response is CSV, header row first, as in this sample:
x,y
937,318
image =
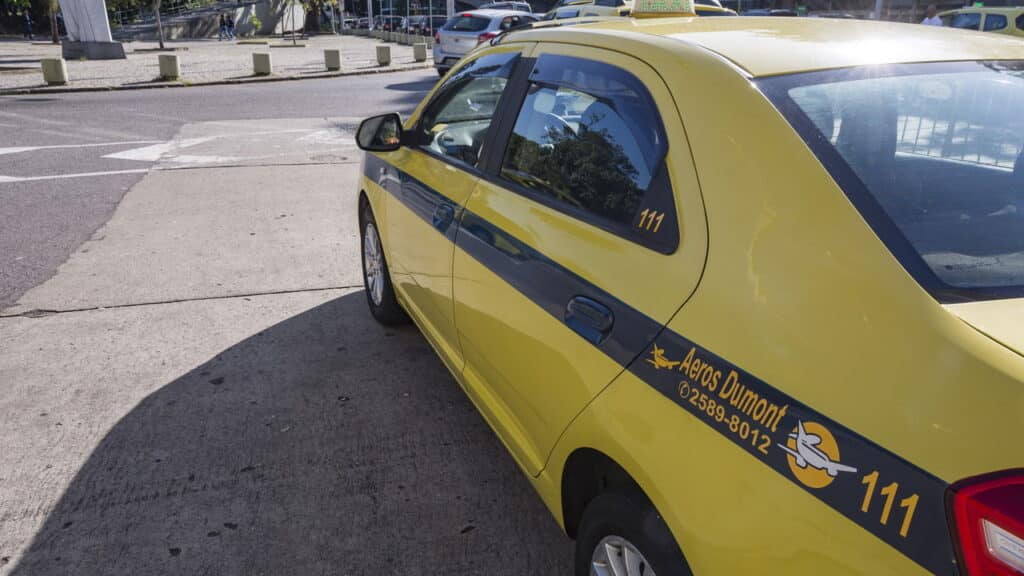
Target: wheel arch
x,y
587,474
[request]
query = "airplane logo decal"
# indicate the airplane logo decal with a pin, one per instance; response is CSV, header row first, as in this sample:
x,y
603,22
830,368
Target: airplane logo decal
x,y
813,455
659,361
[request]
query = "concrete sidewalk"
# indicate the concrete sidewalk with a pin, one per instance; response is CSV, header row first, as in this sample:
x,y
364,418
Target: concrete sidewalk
x,y
202,62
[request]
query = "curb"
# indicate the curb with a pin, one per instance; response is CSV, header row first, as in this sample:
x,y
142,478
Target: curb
x,y
186,84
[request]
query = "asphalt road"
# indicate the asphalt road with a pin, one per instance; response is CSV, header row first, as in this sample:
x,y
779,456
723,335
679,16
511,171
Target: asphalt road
x,y
192,383
43,221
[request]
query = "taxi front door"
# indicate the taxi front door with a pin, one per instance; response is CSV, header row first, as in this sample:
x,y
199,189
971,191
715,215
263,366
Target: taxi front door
x,y
432,181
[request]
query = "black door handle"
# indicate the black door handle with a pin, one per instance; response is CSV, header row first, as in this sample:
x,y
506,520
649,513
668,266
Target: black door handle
x,y
589,318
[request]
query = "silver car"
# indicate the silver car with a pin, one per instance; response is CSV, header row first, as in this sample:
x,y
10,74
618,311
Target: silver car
x,y
466,30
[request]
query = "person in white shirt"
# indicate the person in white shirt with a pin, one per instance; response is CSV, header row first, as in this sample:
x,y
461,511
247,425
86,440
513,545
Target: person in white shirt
x,y
930,18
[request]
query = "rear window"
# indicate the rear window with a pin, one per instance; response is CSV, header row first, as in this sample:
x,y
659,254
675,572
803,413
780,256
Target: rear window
x,y
966,21
995,22
933,157
467,23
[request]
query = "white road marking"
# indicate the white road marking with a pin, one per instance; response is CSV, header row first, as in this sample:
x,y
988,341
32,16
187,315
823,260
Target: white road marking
x,y
156,151
19,149
6,179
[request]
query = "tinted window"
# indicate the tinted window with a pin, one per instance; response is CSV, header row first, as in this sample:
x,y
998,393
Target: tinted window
x,y
467,23
1020,22
611,3
588,139
967,21
995,22
455,123
933,155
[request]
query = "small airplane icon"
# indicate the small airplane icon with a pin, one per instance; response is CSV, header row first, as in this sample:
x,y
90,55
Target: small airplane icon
x,y
807,453
659,361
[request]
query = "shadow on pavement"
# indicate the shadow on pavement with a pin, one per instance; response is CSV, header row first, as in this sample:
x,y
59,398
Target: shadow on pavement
x,y
325,444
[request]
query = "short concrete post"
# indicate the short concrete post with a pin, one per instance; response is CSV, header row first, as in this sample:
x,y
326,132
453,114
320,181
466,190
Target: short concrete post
x,y
261,65
419,52
169,68
55,71
383,55
332,59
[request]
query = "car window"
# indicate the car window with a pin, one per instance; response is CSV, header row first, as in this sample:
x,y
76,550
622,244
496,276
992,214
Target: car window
x,y
610,3
588,139
995,22
455,123
966,21
933,154
467,23
1020,22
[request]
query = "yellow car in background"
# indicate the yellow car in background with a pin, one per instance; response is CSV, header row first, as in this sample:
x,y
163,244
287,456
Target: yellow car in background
x,y
739,295
1005,20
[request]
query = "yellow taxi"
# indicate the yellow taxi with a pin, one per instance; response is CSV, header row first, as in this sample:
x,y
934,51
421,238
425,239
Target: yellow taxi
x,y
739,295
1001,19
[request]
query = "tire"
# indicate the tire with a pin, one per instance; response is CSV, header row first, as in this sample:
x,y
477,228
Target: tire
x,y
631,517
380,294
441,72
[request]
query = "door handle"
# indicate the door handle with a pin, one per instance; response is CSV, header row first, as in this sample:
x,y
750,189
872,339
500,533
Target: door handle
x,y
443,216
589,318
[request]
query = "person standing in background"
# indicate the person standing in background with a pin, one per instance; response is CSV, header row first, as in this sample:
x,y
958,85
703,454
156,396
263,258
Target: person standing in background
x,y
930,16
222,27
229,20
28,23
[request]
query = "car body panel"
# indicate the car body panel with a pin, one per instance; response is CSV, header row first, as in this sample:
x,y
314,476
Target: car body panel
x,y
1001,320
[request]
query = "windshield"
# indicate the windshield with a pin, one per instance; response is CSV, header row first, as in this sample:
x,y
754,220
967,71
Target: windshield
x,y
933,157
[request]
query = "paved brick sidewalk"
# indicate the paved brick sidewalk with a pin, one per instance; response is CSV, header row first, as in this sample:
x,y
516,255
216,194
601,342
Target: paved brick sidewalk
x,y
202,61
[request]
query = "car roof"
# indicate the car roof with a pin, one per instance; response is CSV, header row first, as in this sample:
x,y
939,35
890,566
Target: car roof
x,y
491,13
768,46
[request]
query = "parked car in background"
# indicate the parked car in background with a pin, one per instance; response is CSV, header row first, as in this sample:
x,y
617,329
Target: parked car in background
x,y
1008,20
363,23
517,6
426,25
772,12
467,30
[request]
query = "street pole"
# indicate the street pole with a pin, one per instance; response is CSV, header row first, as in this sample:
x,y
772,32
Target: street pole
x,y
878,9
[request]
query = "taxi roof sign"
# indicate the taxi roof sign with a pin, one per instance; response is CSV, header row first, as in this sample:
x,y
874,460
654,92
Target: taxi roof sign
x,y
643,8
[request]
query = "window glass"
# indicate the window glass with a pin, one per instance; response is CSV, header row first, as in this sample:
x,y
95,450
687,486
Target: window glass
x,y
455,123
466,23
1020,22
967,21
587,137
995,22
611,3
939,149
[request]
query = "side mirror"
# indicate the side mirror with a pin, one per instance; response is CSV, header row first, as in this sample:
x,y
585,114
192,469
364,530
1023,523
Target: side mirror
x,y
380,133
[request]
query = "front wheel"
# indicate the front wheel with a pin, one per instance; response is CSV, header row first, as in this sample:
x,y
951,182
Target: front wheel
x,y
621,534
380,294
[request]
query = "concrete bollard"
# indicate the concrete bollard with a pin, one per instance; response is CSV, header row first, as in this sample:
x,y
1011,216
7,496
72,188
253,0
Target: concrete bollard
x,y
419,52
55,71
332,59
383,55
261,65
169,68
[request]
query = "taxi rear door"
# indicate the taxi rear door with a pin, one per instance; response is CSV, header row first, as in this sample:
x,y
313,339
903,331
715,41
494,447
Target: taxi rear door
x,y
429,181
585,236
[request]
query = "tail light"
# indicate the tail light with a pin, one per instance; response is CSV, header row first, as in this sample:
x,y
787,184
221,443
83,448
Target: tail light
x,y
486,36
988,523
437,37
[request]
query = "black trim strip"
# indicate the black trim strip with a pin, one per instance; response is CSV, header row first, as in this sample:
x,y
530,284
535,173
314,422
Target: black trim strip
x,y
741,407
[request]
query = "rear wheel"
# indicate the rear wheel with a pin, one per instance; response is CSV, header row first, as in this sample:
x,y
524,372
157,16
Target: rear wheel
x,y
380,294
621,534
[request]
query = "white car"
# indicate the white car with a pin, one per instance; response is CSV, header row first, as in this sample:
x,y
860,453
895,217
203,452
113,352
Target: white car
x,y
467,30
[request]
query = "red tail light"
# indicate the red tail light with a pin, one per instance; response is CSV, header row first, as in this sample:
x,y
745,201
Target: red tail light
x,y
988,520
486,36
